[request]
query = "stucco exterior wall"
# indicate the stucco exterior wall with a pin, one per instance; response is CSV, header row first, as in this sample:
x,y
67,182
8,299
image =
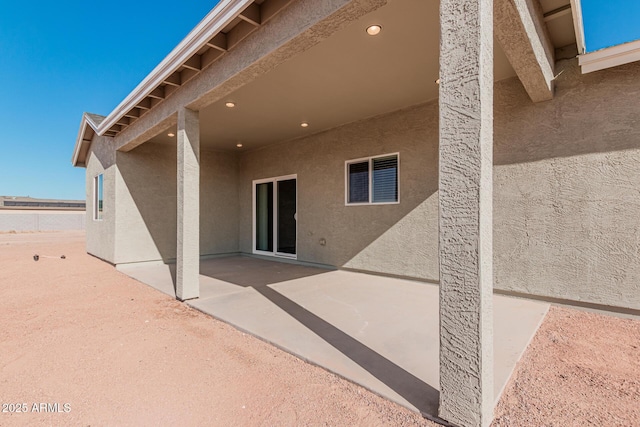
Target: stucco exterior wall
x,y
100,239
566,191
218,203
146,199
567,188
146,225
398,239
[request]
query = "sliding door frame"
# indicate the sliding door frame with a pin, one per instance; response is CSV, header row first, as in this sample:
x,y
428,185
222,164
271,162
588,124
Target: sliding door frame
x,y
275,181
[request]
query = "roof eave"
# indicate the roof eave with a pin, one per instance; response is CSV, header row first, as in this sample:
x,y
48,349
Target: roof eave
x,y
216,20
578,25
86,121
610,57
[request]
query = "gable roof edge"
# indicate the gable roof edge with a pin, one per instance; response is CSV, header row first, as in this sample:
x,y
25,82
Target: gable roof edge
x,y
92,121
216,20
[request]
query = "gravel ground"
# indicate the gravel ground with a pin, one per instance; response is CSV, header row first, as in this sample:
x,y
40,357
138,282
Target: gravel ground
x,y
82,344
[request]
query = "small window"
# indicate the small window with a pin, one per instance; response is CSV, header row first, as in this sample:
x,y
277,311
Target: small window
x,y
97,197
373,180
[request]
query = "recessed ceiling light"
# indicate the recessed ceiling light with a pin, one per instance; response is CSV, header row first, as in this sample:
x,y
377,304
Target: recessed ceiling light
x,y
171,134
374,30
304,124
239,145
230,104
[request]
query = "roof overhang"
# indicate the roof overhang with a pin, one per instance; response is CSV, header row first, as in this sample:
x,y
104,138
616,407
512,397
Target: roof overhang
x,y
610,57
603,58
578,25
229,22
88,129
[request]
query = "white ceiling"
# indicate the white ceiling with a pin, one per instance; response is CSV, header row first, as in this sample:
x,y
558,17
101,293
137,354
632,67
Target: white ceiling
x,y
347,77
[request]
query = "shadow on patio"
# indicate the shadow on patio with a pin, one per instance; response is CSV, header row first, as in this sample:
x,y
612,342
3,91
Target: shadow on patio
x,y
379,332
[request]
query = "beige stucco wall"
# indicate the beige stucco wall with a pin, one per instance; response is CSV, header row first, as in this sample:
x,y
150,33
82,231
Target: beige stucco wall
x,y
101,234
146,202
218,203
394,239
567,188
146,224
566,193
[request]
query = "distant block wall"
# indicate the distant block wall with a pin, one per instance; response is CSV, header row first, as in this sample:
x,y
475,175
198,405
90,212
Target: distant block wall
x,y
42,221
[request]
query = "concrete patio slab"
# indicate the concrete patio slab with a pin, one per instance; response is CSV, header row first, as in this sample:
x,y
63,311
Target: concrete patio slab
x,y
380,332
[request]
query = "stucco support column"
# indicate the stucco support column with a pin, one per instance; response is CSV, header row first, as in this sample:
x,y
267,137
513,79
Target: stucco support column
x,y
188,248
465,220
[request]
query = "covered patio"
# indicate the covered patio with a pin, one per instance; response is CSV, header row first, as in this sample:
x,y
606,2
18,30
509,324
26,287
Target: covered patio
x,y
379,332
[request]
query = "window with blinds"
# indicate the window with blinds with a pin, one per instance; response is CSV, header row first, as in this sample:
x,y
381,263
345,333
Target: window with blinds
x,y
373,180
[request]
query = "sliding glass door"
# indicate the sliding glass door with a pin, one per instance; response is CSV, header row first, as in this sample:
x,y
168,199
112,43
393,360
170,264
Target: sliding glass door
x,y
274,226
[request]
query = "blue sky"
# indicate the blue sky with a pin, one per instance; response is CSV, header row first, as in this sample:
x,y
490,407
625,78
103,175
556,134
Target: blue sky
x,y
59,59
610,22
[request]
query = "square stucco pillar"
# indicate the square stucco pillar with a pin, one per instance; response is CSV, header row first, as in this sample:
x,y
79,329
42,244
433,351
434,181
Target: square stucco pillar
x,y
465,220
188,248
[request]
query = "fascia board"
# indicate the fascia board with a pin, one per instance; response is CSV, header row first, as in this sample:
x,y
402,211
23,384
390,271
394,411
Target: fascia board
x,y
610,57
578,25
215,21
86,121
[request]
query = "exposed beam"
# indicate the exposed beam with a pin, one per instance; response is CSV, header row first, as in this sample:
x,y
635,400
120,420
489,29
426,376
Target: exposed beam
x,y
521,31
145,104
124,121
557,13
219,42
157,93
134,113
173,80
169,89
251,14
270,8
209,56
194,63
251,59
239,32
187,74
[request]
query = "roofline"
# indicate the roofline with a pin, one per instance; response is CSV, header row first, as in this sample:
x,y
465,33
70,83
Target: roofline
x,y
610,57
215,21
578,25
86,120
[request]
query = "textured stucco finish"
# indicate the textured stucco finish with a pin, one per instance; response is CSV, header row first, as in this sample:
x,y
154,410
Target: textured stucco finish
x,y
522,33
398,239
188,238
147,204
218,203
300,26
566,211
465,199
567,188
146,213
101,235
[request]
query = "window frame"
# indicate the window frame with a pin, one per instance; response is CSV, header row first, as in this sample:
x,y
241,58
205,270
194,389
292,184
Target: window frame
x,y
370,170
98,187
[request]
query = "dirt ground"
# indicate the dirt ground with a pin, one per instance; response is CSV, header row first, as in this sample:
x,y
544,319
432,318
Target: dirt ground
x,y
82,344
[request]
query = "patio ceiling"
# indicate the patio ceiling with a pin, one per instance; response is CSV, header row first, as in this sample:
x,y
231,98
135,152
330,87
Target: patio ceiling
x,y
348,77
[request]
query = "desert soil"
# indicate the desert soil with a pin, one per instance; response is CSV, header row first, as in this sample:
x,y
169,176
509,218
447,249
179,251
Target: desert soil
x,y
82,344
